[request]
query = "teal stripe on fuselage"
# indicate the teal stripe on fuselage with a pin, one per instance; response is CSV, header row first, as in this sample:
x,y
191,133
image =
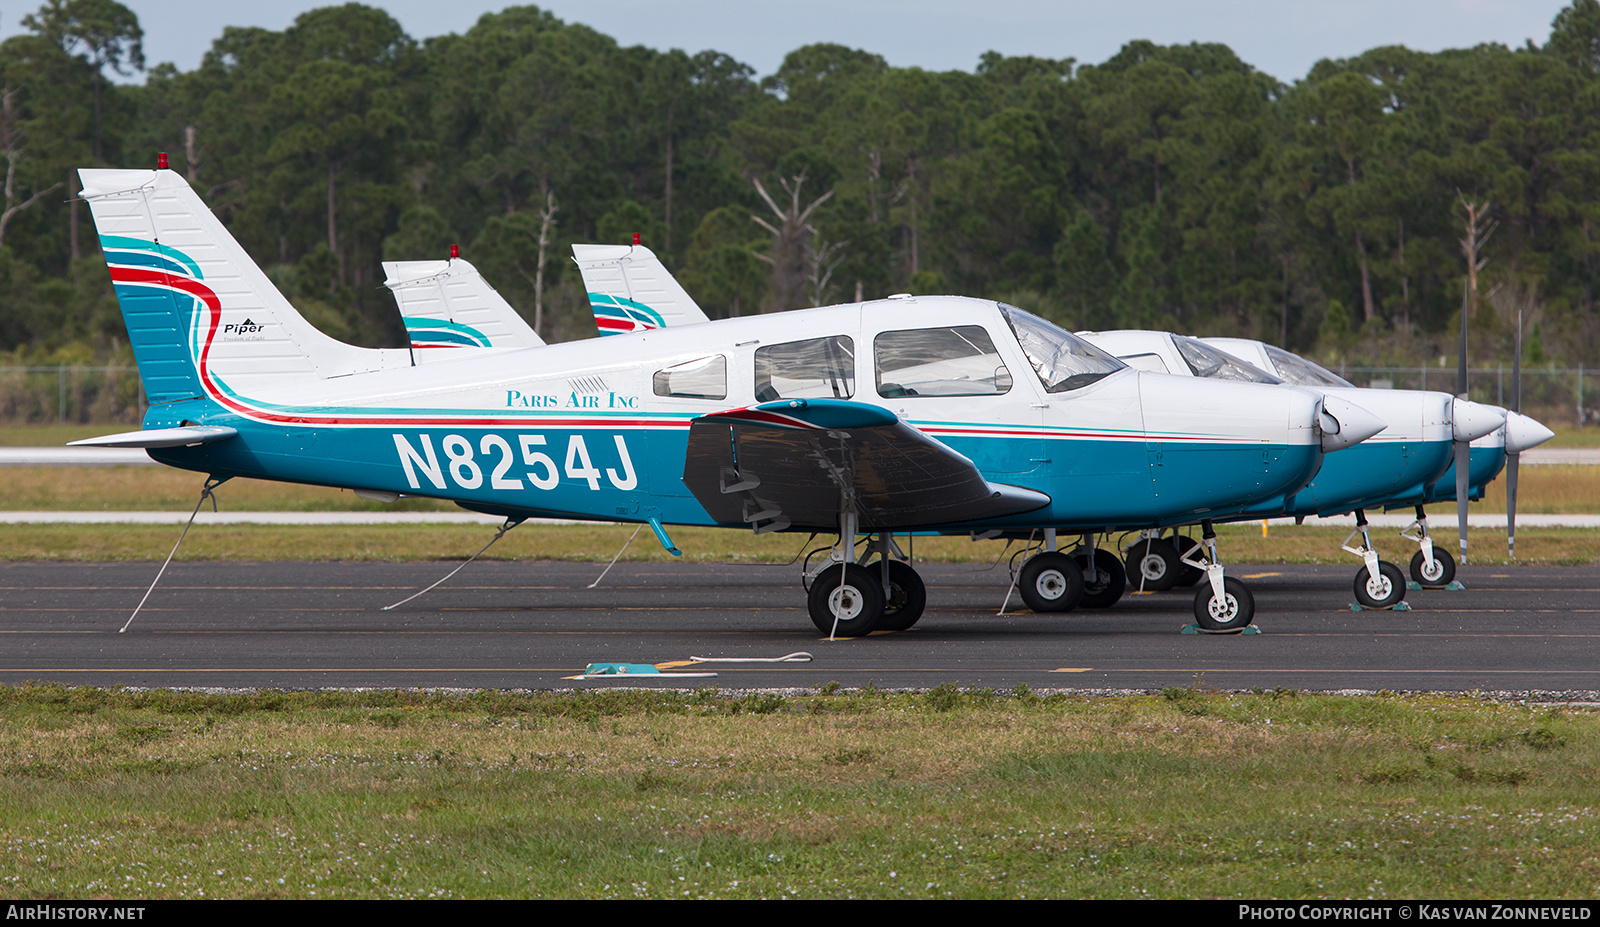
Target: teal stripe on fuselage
x,y
1092,483
1484,464
1370,474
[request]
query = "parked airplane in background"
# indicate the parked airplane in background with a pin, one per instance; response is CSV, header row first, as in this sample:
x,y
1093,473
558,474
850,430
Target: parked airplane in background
x,y
944,414
1410,462
1486,457
1398,465
633,277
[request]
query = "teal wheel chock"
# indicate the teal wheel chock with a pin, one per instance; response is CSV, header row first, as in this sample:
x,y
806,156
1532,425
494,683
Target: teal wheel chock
x,y
1196,629
622,669
1454,586
1396,607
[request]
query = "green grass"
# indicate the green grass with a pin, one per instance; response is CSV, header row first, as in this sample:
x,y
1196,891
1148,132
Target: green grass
x,y
854,794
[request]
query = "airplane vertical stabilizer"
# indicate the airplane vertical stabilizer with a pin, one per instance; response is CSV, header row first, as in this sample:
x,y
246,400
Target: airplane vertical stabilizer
x,y
630,290
202,318
449,311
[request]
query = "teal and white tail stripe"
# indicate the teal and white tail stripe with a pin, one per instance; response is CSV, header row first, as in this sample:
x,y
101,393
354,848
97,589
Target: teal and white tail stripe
x,y
438,333
616,315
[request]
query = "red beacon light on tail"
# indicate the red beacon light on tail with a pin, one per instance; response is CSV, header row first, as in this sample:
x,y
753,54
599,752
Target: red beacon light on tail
x,y
161,160
636,238
455,251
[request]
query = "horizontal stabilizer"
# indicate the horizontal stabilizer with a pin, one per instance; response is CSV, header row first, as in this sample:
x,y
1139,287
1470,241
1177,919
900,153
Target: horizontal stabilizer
x,y
161,437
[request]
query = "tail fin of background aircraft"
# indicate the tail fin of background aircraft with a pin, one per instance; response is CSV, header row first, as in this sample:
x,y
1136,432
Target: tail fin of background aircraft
x,y
449,310
630,290
202,318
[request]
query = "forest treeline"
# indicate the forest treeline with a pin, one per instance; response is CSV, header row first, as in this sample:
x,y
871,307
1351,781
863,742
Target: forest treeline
x,y
1171,187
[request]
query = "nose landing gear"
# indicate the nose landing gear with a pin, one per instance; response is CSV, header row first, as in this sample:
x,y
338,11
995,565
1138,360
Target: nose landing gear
x,y
1223,602
1431,567
1379,584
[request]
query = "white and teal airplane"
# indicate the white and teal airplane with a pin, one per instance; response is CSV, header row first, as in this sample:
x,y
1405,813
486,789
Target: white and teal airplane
x,y
890,416
1409,463
1487,455
1397,467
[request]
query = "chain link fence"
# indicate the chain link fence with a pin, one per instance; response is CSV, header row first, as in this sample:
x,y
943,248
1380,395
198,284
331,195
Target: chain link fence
x,y
71,395
68,394
1554,395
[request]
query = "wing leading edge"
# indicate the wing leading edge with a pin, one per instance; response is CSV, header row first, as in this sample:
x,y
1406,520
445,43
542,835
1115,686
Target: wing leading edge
x,y
800,463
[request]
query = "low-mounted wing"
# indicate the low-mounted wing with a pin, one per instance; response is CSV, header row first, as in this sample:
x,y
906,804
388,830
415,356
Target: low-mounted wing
x,y
800,463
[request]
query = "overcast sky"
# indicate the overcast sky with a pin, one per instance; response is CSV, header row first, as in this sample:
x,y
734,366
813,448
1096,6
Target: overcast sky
x,y
1281,37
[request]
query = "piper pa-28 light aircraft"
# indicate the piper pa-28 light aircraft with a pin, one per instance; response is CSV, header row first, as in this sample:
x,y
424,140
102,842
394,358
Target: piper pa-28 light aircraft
x,y
631,291
1392,468
1485,456
1400,467
944,414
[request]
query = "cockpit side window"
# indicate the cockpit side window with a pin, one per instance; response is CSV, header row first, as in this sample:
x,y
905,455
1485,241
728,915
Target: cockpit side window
x,y
956,361
1301,372
820,368
701,378
1207,361
1062,360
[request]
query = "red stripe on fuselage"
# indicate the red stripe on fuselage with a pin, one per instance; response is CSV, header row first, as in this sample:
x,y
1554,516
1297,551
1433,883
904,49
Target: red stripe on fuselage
x,y
191,287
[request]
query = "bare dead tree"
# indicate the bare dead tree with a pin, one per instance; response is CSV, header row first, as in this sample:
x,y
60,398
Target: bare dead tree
x,y
1478,229
547,221
822,259
791,239
11,145
191,154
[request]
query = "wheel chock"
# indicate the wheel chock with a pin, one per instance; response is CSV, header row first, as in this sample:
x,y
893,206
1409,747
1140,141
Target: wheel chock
x,y
619,670
1196,629
1396,607
1453,586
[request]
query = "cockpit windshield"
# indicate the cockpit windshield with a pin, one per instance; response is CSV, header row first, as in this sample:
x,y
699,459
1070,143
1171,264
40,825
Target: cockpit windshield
x,y
1062,360
1301,372
1206,361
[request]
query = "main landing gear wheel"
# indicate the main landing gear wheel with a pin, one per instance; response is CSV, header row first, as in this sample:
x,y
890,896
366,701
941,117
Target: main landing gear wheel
x,y
1236,608
1187,575
1383,592
907,595
1153,566
1442,574
857,602
1050,582
1109,581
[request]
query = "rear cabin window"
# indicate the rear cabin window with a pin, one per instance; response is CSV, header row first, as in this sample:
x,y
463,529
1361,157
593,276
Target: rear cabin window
x,y
701,378
821,368
957,361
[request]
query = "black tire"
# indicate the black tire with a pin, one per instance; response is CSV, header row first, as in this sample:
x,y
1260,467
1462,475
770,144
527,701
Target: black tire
x,y
1187,575
1387,590
860,593
1110,581
907,595
1237,609
1051,582
1444,569
1154,563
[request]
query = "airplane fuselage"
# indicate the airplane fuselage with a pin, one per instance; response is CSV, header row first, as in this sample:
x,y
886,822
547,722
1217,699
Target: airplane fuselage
x,y
581,430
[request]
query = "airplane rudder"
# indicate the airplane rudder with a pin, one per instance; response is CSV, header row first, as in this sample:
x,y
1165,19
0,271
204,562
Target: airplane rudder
x,y
154,285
